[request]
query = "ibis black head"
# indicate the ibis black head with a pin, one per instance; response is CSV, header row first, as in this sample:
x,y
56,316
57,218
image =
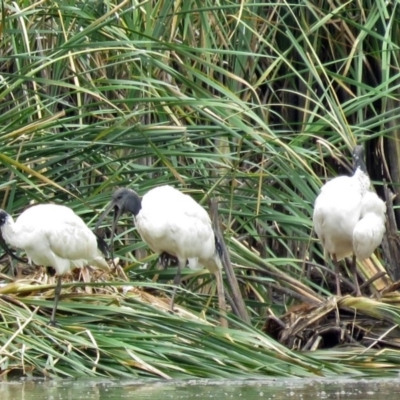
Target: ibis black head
x,y
126,200
358,158
123,200
3,217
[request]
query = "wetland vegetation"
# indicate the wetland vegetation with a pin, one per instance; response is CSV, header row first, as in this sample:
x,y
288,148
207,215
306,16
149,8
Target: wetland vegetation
x,y
255,104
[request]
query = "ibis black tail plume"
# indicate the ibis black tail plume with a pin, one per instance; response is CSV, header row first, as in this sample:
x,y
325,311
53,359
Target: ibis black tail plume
x,y
219,247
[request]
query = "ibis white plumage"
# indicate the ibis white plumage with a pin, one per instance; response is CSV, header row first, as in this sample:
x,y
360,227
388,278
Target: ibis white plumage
x,y
53,236
349,218
174,223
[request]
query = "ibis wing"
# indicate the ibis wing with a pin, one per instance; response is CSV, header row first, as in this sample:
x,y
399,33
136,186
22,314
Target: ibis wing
x,y
368,232
371,203
59,231
336,213
368,235
173,222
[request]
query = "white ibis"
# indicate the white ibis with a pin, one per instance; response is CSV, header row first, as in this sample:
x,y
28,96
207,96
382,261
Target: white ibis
x,y
53,236
349,218
171,222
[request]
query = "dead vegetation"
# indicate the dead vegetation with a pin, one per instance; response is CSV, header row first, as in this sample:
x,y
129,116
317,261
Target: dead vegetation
x,y
340,321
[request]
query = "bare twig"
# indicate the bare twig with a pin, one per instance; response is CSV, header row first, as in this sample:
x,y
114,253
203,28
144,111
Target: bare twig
x,y
238,305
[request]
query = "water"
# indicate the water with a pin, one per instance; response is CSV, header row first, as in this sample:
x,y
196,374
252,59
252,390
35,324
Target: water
x,y
274,389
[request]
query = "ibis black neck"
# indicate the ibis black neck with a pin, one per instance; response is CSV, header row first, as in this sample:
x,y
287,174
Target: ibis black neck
x,y
133,204
358,159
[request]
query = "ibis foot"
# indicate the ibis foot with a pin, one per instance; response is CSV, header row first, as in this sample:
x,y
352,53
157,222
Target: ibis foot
x,y
53,323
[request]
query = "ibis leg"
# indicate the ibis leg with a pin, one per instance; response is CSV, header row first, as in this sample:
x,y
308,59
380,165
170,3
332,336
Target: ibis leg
x,y
177,282
337,273
355,277
221,298
57,292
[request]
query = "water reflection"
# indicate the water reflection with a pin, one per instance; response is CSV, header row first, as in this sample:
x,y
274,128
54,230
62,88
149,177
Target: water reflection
x,y
276,389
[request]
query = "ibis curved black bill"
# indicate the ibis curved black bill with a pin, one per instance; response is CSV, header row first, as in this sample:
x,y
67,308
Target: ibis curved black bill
x,y
102,245
8,251
117,215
